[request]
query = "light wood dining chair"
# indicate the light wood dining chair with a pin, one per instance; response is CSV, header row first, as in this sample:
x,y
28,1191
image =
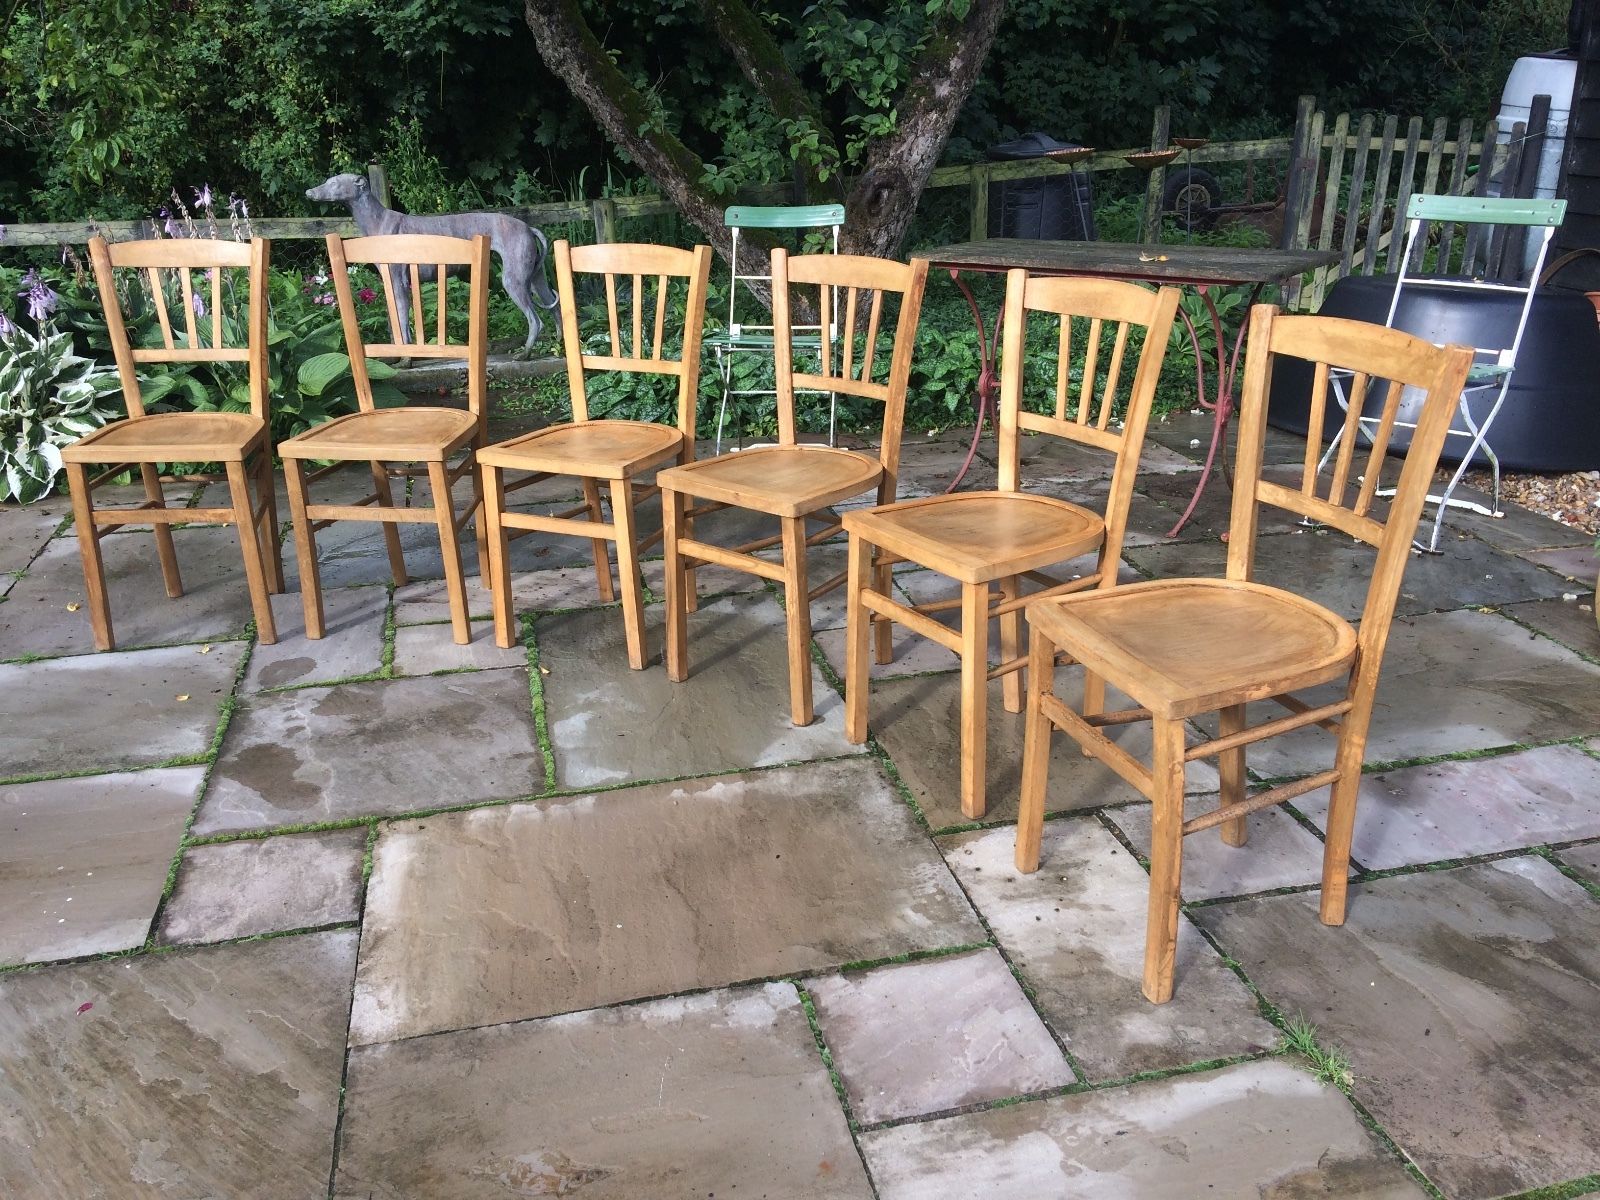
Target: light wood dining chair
x,y
598,450
399,443
237,441
1184,648
791,481
1008,537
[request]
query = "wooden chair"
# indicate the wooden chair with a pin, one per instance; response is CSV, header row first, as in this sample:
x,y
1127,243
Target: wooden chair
x,y
790,481
1182,648
599,450
399,443
237,441
1009,536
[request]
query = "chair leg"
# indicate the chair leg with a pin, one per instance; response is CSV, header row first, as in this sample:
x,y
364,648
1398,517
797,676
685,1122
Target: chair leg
x,y
858,628
974,698
1342,808
797,610
602,554
1230,766
255,569
628,571
494,536
1011,644
455,582
691,577
679,586
1166,861
1035,751
883,627
165,550
271,535
480,526
305,547
94,571
391,531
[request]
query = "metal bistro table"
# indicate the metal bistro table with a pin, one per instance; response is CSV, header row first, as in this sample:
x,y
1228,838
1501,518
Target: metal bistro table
x,y
1200,267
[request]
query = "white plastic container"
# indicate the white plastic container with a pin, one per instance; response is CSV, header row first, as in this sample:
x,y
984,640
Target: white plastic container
x,y
1554,75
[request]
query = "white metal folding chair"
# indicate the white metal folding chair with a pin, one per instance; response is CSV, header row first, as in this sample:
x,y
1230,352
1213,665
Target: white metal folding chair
x,y
1490,262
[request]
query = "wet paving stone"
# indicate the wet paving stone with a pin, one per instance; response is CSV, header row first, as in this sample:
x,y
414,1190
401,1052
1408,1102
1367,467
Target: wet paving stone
x,y
107,711
1451,682
1570,622
387,746
35,618
265,885
1518,530
534,909
23,534
928,1036
1465,1000
720,1094
917,722
1479,806
425,649
1281,852
1046,459
352,641
611,725
1255,1129
210,1072
1075,929
1585,860
1580,563
83,862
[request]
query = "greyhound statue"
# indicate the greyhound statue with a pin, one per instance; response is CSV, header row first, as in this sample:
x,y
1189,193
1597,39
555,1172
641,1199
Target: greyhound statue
x,y
522,248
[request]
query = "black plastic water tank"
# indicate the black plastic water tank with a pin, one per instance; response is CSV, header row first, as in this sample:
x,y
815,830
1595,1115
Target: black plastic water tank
x,y
1054,207
1551,418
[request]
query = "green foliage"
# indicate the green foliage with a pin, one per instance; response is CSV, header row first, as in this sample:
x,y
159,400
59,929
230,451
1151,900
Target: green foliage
x,y
1330,1066
49,397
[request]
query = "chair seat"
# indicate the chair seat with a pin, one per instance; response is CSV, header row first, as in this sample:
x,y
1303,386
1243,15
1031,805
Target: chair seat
x,y
593,449
1181,647
387,434
781,481
978,537
170,437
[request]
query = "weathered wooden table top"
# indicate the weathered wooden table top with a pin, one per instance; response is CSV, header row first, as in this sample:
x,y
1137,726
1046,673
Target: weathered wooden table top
x,y
1132,260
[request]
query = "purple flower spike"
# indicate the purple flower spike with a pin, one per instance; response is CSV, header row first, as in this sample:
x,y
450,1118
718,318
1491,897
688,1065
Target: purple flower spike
x,y
202,196
198,303
6,327
42,300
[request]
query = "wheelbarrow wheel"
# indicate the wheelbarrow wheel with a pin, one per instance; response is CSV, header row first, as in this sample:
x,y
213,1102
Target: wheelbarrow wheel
x,y
1192,196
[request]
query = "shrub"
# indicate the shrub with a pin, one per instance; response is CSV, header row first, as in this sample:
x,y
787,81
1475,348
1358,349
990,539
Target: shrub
x,y
49,397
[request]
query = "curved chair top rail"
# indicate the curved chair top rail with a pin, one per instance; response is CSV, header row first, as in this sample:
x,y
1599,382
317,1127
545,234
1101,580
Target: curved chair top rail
x,y
631,258
179,252
793,216
424,249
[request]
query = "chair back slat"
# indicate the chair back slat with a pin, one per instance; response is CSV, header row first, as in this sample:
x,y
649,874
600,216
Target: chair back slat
x,y
181,257
1356,400
1319,409
663,270
1394,367
820,275
1113,376
399,260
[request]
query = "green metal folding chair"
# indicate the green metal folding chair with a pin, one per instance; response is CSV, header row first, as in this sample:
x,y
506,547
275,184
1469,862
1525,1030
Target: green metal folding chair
x,y
750,338
1489,263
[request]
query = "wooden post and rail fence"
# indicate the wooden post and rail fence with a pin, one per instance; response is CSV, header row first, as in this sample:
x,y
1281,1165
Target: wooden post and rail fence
x,y
1343,182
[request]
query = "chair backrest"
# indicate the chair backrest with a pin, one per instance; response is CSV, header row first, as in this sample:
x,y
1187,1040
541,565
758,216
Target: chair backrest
x,y
1408,373
863,282
782,217
1491,252
654,270
1100,308
405,261
206,335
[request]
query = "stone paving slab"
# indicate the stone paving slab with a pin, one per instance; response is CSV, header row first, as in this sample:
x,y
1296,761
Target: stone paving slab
x,y
201,1073
1188,434
1281,852
1255,1129
1580,563
83,862
713,1095
1213,515
1047,459
265,885
1075,929
388,746
1465,1000
1335,571
123,709
1585,860
1570,622
610,724
534,909
425,649
1480,806
352,641
928,1036
1450,682
917,720
1519,529
23,533
215,605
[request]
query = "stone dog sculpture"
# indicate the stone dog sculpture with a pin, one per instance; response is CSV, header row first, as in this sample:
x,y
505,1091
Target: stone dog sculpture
x,y
522,248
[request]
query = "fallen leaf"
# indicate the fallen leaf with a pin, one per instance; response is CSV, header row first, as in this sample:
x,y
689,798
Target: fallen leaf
x,y
543,670
85,1007
74,606
183,697
206,649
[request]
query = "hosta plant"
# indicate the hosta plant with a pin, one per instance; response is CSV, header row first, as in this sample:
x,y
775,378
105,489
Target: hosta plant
x,y
49,397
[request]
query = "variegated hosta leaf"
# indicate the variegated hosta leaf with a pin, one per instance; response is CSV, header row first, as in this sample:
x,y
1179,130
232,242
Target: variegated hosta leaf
x,y
49,397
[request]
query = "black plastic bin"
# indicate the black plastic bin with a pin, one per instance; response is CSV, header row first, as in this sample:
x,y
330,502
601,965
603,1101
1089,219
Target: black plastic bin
x,y
1054,207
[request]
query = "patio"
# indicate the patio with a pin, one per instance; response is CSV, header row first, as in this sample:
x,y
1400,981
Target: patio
x,y
384,916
